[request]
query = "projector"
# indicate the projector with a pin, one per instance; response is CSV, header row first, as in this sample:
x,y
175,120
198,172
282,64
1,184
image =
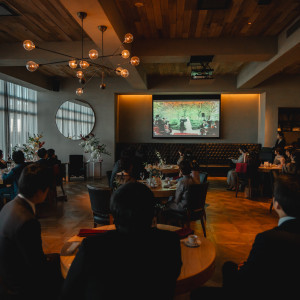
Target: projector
x,y
202,74
200,68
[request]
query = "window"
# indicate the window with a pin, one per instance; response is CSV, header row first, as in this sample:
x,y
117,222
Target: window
x,y
18,115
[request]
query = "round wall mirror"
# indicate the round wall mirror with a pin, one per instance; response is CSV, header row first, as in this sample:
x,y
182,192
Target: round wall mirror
x,y
75,118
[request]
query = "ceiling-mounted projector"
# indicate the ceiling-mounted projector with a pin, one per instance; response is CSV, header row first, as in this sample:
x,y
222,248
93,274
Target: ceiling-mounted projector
x,y
200,68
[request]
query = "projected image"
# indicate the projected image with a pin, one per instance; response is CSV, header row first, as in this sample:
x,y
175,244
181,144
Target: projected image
x,y
186,118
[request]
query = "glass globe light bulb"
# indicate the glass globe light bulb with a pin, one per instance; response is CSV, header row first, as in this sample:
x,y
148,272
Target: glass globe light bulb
x,y
31,66
28,45
119,70
135,61
79,91
128,38
73,64
125,54
93,54
83,64
124,73
79,74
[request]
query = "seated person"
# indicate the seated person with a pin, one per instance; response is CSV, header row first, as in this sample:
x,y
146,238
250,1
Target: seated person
x,y
279,159
231,175
184,154
290,166
43,155
25,271
3,163
13,176
274,259
179,203
123,163
135,261
52,158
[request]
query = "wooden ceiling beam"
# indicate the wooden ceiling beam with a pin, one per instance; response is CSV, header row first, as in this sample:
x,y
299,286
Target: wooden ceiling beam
x,y
243,48
288,54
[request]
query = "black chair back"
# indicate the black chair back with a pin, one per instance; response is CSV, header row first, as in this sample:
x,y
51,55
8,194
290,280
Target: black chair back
x,y
100,201
203,177
196,196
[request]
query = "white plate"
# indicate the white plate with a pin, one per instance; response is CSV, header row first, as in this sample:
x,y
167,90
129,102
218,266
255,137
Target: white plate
x,y
186,242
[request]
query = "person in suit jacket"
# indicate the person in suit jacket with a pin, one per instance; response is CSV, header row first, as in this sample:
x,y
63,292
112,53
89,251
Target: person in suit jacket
x,y
13,176
280,142
43,155
274,261
135,261
52,158
25,271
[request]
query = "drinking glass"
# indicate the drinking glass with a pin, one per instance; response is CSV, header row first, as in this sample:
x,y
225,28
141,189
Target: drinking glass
x,y
142,175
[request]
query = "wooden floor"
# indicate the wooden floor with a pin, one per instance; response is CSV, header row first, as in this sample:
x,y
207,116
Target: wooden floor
x,y
232,223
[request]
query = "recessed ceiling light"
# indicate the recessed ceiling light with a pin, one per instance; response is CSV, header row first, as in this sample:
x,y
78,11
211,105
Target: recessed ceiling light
x,y
139,4
249,23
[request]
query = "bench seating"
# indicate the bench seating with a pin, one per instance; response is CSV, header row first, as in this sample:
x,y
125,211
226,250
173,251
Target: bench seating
x,y
213,155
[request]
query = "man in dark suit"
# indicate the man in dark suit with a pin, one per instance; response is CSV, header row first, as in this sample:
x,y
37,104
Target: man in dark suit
x,y
25,271
273,264
135,261
43,155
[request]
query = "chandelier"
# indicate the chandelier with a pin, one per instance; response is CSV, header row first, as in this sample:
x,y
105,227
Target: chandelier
x,y
83,63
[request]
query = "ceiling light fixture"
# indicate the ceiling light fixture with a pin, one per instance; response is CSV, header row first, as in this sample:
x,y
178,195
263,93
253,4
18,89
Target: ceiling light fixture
x,y
83,63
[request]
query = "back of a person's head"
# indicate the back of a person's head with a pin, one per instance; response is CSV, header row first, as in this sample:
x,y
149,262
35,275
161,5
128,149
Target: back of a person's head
x,y
287,194
18,157
132,206
50,152
279,151
34,177
42,153
185,167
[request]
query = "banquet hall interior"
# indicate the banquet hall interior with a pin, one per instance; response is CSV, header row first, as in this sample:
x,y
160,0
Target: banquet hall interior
x,y
210,77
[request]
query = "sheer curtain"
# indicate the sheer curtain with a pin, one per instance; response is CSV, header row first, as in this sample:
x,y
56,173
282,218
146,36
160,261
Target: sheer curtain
x,y
18,115
73,119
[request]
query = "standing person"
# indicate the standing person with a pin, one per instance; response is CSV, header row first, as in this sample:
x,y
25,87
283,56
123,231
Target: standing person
x,y
273,264
181,124
280,142
25,271
148,264
231,175
3,163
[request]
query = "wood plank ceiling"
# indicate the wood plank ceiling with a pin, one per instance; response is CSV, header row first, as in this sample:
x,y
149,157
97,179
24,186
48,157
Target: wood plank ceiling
x,y
182,19
48,20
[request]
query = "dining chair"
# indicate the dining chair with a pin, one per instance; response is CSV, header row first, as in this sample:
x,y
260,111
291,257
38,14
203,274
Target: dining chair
x,y
100,201
241,177
195,210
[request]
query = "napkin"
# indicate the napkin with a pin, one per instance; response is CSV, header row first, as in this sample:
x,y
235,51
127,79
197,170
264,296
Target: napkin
x,y
90,232
184,232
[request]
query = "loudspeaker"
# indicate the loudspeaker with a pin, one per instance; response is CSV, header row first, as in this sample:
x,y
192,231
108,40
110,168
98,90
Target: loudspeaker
x,y
55,84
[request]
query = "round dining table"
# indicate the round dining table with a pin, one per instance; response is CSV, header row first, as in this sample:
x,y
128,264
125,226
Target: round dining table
x,y
265,169
161,191
198,263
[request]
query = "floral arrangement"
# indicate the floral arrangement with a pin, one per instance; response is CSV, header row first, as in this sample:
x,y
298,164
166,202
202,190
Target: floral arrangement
x,y
161,161
91,144
152,170
31,147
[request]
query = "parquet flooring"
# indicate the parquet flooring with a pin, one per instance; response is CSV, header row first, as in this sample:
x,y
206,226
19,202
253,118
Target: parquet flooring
x,y
232,223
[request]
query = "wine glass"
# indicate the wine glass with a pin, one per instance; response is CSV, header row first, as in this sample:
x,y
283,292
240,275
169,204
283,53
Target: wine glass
x,y
142,175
